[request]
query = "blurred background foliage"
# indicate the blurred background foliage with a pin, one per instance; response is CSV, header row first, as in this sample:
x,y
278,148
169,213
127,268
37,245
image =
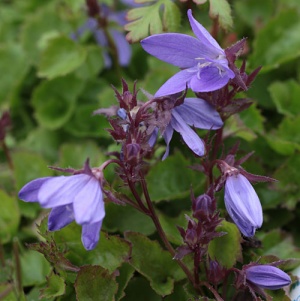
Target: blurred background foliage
x,y
51,84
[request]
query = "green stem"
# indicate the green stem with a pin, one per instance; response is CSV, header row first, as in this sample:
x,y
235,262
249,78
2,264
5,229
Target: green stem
x,y
161,231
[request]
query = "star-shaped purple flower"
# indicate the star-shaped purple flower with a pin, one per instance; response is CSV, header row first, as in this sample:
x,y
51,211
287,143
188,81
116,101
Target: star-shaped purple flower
x,y
194,112
78,197
204,63
122,46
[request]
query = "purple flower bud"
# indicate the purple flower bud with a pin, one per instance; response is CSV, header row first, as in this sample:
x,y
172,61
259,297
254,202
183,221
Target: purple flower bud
x,y
267,276
122,113
78,197
242,204
204,203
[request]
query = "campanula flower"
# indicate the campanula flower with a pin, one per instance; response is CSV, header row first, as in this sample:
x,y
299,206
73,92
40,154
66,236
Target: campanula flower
x,y
77,197
267,277
92,25
204,63
242,204
194,112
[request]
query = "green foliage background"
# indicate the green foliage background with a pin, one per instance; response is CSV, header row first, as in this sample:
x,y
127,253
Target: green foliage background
x,y
51,85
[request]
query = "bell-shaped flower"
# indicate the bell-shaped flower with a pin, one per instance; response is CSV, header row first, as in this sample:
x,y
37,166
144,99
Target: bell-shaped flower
x,y
242,204
267,277
194,112
77,197
204,63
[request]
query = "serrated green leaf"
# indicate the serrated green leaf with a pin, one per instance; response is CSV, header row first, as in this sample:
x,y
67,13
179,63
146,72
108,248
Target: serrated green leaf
x,y
126,273
35,268
55,286
221,9
278,42
54,101
286,97
156,265
226,249
164,181
9,217
94,282
146,20
61,56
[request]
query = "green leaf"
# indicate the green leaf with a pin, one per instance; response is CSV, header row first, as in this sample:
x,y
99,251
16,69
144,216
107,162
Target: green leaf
x,y
14,64
278,243
169,225
253,119
288,182
123,218
27,167
126,273
35,268
84,124
286,96
166,183
278,42
55,286
146,20
235,126
226,249
156,265
221,9
139,289
9,217
61,56
94,282
54,101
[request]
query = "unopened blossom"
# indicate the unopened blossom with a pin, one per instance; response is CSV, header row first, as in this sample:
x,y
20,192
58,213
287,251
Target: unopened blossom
x,y
202,60
77,197
194,112
122,46
267,277
242,204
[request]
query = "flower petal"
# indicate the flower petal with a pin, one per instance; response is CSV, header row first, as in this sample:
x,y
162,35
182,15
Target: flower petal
x,y
123,47
242,204
153,137
211,79
177,83
58,191
205,37
90,235
60,217
189,136
102,41
267,276
88,203
199,113
29,192
168,133
177,49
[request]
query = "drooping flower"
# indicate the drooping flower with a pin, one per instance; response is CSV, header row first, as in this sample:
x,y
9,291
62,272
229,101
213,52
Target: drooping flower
x,y
204,63
92,25
77,197
267,277
242,204
194,112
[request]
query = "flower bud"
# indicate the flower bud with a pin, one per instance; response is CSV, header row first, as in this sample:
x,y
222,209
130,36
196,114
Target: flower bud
x,y
242,204
267,276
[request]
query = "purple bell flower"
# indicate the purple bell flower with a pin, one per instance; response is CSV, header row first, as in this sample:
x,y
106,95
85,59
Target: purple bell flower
x,y
194,112
78,197
242,204
123,47
204,63
267,277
